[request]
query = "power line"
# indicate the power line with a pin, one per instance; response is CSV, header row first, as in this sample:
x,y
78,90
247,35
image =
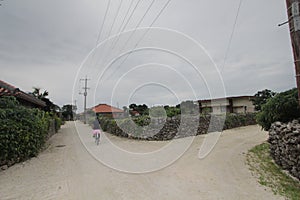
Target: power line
x,y
158,15
118,10
122,25
161,11
101,28
132,33
138,24
111,28
231,35
126,14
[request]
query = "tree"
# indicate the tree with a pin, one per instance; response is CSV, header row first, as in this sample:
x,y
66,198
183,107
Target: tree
x,y
282,107
68,112
132,106
38,94
261,97
50,106
172,110
141,109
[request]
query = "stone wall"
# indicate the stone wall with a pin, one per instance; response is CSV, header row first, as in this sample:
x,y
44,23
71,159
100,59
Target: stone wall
x,y
284,142
176,127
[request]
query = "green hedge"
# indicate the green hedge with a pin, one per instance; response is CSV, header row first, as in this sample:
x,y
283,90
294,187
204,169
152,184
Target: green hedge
x,y
238,120
282,107
23,131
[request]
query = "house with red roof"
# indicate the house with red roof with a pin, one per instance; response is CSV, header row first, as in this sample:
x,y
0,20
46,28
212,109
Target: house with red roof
x,y
25,99
108,111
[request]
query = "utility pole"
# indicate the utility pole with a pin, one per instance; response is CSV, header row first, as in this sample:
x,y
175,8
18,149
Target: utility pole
x,y
75,109
293,11
85,94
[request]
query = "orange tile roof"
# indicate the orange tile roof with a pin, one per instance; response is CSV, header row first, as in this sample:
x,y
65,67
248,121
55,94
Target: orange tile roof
x,y
104,108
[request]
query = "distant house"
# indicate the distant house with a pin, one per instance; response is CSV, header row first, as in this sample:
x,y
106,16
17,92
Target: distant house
x,y
134,113
25,99
237,104
108,111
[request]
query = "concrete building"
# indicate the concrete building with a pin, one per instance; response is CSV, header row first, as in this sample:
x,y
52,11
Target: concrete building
x,y
237,104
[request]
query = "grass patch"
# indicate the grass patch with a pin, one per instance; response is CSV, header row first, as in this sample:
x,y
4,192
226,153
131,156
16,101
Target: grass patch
x,y
269,174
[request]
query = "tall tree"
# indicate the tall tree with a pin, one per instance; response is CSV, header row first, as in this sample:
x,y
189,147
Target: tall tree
x,y
68,112
261,98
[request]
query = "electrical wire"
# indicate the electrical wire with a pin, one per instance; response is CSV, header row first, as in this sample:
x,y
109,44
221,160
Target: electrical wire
x,y
132,33
138,24
101,28
155,19
114,21
122,25
231,36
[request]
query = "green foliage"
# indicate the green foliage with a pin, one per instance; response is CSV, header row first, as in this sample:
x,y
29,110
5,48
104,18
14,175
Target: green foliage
x,y
157,111
282,107
58,123
261,97
142,120
172,111
238,120
23,131
141,109
37,93
68,112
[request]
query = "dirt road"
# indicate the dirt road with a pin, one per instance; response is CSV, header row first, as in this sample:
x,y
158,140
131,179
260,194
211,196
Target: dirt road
x,y
67,170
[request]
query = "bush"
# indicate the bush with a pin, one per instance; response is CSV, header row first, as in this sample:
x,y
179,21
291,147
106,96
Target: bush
x,y
23,131
282,107
236,120
58,123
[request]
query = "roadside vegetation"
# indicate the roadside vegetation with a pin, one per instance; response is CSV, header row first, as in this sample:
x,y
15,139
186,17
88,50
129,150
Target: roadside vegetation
x,y
282,107
271,175
271,108
23,130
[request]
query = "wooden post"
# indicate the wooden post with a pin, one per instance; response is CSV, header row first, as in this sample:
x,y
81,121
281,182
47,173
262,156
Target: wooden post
x,y
293,11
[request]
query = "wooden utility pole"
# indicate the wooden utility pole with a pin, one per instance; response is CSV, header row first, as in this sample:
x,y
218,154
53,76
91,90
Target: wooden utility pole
x,y
293,11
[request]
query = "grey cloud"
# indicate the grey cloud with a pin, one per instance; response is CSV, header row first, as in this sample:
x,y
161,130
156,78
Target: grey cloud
x,y
40,47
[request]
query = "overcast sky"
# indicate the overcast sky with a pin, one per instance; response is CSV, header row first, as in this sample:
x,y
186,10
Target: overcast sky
x,y
44,44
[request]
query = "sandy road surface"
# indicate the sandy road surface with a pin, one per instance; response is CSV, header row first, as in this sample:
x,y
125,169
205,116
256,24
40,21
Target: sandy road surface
x,y
70,172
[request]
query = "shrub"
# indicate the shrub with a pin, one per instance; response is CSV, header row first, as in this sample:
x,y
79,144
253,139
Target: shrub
x,y
58,123
237,120
23,131
282,107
